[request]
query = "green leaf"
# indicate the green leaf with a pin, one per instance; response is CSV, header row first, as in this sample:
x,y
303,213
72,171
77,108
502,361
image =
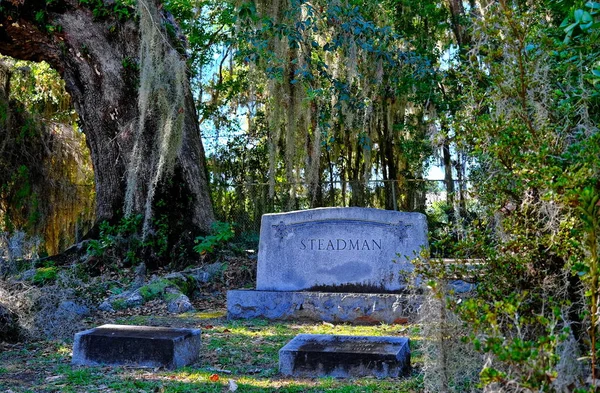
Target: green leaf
x,y
593,5
587,18
569,29
564,23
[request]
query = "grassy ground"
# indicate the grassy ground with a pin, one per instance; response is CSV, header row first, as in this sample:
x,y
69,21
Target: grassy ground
x,y
242,353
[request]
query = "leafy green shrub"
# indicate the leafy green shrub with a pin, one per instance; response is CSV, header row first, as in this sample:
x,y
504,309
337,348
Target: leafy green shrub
x,y
124,243
155,289
589,269
44,275
221,233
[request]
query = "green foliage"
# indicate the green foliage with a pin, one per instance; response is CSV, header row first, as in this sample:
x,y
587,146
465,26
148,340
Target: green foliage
x,y
583,20
226,344
122,236
589,269
45,275
155,289
221,233
43,154
332,116
119,304
531,151
123,9
122,244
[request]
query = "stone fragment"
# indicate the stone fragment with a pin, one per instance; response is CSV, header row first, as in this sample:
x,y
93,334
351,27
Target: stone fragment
x,y
138,346
310,355
178,303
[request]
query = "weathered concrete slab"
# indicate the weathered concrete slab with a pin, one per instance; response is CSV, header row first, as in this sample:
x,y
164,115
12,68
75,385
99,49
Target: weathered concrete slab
x,y
339,249
359,308
309,355
139,346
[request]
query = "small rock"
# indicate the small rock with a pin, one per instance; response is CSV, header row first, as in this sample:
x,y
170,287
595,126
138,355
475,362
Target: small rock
x,y
69,308
176,276
140,276
127,299
105,306
180,305
27,275
133,299
206,273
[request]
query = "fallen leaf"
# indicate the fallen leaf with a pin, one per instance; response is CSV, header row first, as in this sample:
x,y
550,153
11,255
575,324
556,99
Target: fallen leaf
x,y
232,385
214,377
226,331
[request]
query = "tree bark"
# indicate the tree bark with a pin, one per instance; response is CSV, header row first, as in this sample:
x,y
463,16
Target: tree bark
x,y
98,58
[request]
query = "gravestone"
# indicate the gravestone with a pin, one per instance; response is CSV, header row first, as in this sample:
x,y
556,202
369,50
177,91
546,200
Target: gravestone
x,y
310,355
138,346
328,264
338,249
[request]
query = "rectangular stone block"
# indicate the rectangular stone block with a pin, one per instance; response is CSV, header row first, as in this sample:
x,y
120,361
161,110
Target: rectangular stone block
x,y
339,249
357,308
309,355
138,346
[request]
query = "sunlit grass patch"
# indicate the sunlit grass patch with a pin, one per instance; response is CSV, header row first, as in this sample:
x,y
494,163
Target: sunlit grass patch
x,y
245,352
203,314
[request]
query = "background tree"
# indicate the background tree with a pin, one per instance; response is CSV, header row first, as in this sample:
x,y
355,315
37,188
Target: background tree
x,y
147,150
45,172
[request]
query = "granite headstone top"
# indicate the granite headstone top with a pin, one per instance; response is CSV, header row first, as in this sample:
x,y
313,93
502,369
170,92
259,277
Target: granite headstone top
x,y
345,356
339,249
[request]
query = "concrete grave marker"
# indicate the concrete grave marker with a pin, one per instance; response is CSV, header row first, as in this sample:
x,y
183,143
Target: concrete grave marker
x,y
139,346
338,249
309,355
333,264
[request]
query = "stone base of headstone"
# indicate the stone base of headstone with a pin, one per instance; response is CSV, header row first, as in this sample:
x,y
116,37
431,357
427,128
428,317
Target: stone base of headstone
x,y
357,308
137,346
310,355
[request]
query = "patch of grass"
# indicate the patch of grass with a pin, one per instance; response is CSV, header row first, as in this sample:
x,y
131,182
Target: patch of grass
x,y
44,275
80,377
119,304
203,314
135,320
246,350
155,290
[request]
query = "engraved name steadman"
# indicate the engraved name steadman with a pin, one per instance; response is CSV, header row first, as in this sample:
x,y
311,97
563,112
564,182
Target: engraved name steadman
x,y
340,244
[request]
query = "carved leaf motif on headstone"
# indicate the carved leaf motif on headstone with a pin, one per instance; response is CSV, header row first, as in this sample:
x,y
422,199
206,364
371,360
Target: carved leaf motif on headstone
x,y
401,230
281,230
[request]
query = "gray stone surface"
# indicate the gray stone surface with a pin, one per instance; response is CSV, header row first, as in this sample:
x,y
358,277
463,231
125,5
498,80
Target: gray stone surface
x,y
70,309
127,299
138,346
359,308
180,303
338,249
309,355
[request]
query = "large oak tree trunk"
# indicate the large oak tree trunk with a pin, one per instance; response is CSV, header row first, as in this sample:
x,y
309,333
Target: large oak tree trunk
x,y
99,58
